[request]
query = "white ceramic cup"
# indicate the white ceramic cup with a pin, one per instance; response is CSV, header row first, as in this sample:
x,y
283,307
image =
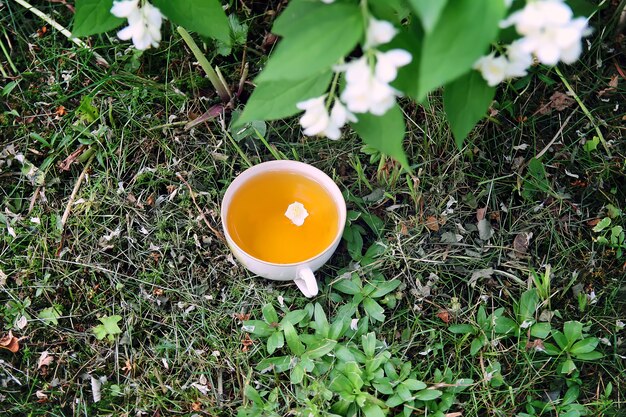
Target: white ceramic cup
x,y
300,272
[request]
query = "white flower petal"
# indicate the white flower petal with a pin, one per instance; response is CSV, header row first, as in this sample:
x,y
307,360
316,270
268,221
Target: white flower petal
x,y
379,32
126,33
296,212
124,8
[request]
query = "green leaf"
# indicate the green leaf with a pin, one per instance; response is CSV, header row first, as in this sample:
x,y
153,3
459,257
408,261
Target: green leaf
x,y
293,341
324,36
414,384
465,101
353,373
372,410
591,356
591,145
567,366
108,328
404,392
584,346
394,401
94,16
275,341
428,12
527,306
289,22
278,364
461,385
87,111
274,100
253,395
368,342
340,384
374,310
560,339
383,386
540,330
462,329
206,17
338,328
505,325
321,322
385,287
428,394
257,327
573,330
347,286
602,224
269,314
50,315
320,349
457,41
294,317
571,395
410,39
550,349
477,344
385,133
297,374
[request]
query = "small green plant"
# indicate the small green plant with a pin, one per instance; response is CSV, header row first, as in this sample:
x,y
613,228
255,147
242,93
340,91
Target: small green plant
x,y
571,344
366,293
525,321
613,237
482,331
339,369
565,406
108,328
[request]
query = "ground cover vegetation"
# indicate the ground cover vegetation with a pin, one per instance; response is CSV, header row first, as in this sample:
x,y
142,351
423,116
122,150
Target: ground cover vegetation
x,y
489,279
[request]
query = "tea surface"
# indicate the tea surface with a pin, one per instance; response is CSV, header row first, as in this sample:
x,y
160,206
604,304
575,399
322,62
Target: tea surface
x,y
257,223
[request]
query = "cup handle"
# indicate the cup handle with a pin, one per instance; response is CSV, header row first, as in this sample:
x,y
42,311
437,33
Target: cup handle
x,y
306,282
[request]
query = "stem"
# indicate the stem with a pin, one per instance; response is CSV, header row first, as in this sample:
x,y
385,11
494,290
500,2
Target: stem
x,y
6,54
585,110
220,87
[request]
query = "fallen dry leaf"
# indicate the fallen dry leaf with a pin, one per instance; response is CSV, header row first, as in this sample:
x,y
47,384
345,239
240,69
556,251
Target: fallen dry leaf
x,y
432,223
60,111
42,397
558,101
444,315
45,359
10,342
242,316
246,342
67,162
521,242
593,222
197,406
536,344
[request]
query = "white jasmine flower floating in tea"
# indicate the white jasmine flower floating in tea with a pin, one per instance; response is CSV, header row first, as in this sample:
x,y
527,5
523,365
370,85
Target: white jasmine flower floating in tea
x,y
144,23
296,213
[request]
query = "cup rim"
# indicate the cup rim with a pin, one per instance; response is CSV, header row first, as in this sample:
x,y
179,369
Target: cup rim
x,y
284,165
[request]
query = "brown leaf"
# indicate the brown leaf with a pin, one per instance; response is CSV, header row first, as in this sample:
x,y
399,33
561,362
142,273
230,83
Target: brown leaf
x,y
242,316
10,342
67,162
45,359
196,406
60,111
613,82
42,397
536,344
444,315
520,243
558,101
404,230
432,224
246,342
593,222
150,200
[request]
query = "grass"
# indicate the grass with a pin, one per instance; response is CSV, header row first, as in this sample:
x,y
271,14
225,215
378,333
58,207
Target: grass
x,y
135,245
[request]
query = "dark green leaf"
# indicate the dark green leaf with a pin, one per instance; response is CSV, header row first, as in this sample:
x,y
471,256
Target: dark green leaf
x,y
278,364
567,366
505,325
466,101
94,16
462,329
461,385
340,384
347,286
353,373
257,327
253,395
205,17
404,392
560,339
324,36
456,41
414,384
571,395
297,374
477,344
394,401
428,12
410,39
591,356
274,100
584,346
385,133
